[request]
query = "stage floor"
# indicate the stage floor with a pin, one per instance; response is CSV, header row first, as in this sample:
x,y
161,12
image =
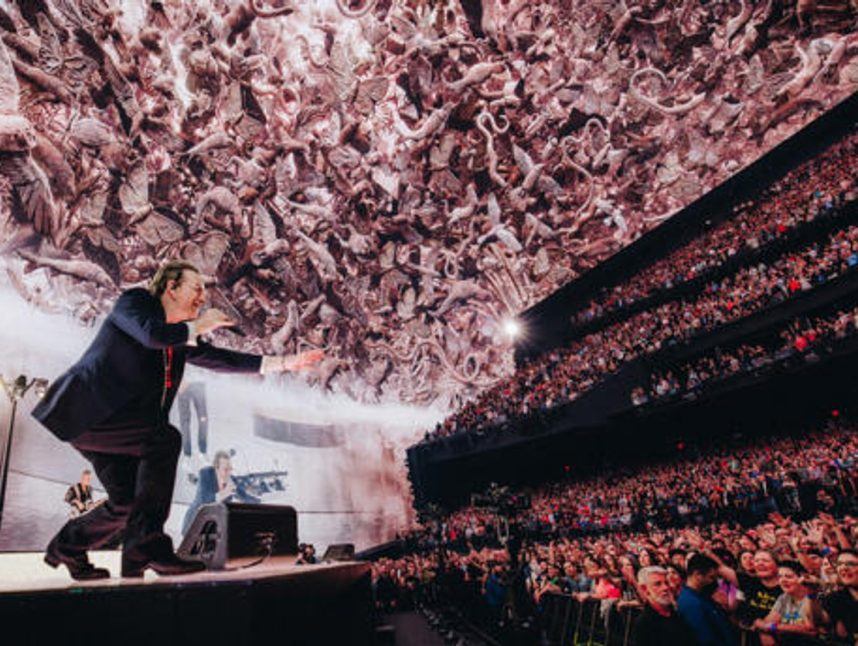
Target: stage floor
x,y
26,572
273,602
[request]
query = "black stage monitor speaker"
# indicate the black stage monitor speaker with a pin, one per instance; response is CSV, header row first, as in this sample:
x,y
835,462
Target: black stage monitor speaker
x,y
339,552
222,532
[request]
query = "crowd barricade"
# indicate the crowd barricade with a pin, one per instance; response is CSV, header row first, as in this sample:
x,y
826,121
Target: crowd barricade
x,y
748,637
567,621
563,620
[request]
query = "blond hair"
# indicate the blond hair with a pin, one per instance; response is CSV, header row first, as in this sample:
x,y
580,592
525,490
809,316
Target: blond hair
x,y
221,455
170,270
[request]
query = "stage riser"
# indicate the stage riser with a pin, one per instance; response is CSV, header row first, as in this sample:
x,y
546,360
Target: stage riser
x,y
316,607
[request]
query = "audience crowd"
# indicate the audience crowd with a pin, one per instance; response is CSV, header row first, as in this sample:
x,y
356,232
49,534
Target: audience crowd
x,y
801,337
782,207
816,188
759,535
738,540
563,374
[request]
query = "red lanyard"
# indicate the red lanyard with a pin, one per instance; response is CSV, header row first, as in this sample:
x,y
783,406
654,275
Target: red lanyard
x,y
168,368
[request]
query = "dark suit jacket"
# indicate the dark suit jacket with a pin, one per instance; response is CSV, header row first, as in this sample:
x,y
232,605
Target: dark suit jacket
x,y
207,492
119,380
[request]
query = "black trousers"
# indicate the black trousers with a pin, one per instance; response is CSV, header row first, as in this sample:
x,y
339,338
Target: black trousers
x,y
194,395
137,467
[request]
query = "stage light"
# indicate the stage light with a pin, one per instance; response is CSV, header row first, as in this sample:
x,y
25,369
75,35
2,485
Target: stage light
x,y
20,386
40,387
511,328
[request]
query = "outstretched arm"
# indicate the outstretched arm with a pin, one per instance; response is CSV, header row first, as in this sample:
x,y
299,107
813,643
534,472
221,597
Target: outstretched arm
x,y
208,356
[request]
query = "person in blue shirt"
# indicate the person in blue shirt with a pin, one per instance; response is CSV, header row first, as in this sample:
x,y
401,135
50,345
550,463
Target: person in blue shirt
x,y
216,484
495,592
696,607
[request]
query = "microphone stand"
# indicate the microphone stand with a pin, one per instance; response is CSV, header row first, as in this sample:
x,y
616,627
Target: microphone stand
x,y
14,391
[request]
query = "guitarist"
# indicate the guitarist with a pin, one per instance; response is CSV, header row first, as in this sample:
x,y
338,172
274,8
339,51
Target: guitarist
x,y
79,495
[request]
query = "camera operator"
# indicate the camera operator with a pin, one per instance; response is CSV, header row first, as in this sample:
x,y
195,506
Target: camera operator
x,y
518,605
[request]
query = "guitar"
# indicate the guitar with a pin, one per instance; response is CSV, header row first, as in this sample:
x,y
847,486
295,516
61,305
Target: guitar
x,y
76,512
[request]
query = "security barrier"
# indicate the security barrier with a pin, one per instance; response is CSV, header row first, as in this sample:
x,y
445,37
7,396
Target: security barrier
x,y
567,621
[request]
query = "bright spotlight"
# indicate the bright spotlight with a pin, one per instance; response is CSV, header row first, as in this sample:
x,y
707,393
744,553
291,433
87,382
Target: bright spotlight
x,y
512,328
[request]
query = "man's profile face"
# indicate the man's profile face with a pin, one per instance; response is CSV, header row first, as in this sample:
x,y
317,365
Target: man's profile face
x,y
709,578
658,590
188,294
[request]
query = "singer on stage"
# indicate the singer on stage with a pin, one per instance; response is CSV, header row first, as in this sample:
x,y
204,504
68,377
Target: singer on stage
x,y
113,406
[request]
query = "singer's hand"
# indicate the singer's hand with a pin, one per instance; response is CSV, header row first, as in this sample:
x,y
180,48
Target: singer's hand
x,y
211,320
306,359
293,363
